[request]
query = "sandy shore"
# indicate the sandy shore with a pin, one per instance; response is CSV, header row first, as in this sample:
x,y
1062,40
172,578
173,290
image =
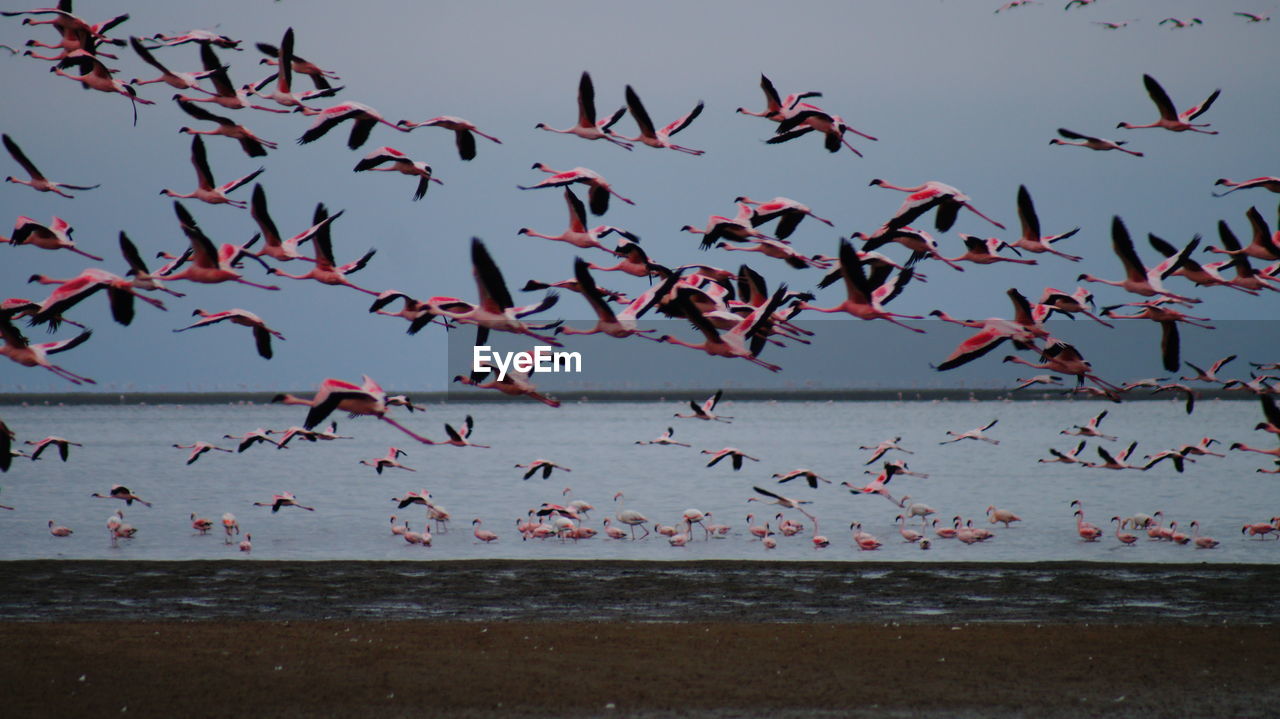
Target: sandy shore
x,y
431,669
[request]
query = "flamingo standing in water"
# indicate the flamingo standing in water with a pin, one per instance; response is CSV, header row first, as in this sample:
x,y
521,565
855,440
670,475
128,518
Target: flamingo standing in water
x,y
1001,515
588,127
484,535
1170,118
59,531
1088,532
1201,542
1127,539
630,517
38,181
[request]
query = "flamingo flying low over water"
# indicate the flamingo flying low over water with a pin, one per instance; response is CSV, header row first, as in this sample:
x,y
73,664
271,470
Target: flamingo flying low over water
x,y
284,499
366,398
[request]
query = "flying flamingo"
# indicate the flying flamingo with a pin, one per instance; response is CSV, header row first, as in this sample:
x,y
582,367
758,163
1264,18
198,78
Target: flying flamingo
x,y
389,461
464,133
1119,461
986,251
778,108
664,439
366,398
54,236
363,118
1093,143
283,93
1023,330
788,212
972,434
64,446
1170,118
597,195
1090,428
864,299
588,127
659,137
252,145
733,343
1063,358
735,454
200,448
1031,240
319,77
38,181
262,334
541,465
1138,278
204,38
885,446
284,499
1266,183
809,119
225,93
786,502
925,197
578,234
206,190
177,80
399,162
70,292
1069,457
705,411
17,348
1179,23
326,270
121,492
876,486
95,76
460,437
808,475
209,264
615,324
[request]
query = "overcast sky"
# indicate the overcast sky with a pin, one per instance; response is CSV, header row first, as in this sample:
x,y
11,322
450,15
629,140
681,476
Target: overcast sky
x,y
953,91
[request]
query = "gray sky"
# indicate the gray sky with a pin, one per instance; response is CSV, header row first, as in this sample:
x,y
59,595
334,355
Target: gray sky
x,y
954,93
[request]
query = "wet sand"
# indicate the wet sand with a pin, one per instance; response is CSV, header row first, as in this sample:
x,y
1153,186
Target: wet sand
x,y
567,669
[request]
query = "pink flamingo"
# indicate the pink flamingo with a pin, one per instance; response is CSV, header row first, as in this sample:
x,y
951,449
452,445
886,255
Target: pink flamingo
x,y
38,181
262,334
206,190
659,137
1170,118
284,499
366,398
1201,542
484,535
17,348
597,194
1093,143
399,162
209,264
252,145
1126,538
864,298
925,197
54,236
588,127
464,133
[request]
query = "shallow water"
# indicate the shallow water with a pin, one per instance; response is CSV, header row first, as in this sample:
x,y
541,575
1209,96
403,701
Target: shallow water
x,y
131,445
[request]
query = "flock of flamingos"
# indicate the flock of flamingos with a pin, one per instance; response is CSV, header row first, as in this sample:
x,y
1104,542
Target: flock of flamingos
x,y
735,313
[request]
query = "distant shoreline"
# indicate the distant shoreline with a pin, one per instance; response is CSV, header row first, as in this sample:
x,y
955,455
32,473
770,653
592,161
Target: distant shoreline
x,y
672,394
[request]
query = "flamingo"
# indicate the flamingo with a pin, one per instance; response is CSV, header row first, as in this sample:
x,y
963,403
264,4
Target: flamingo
x,y
885,446
59,531
615,324
866,542
1063,358
1070,457
733,343
95,76
718,227
205,190
283,93
54,236
1031,240
1090,428
229,526
252,437
876,486
578,234
225,93
972,434
70,292
1266,183
275,245
1093,143
778,108
38,181
209,264
401,163
1170,118
246,544
121,492
1177,537
1272,414
1178,23
262,334
808,475
630,517
140,277
541,465
736,455
1088,532
664,439
1127,539
659,137
63,444
484,535
319,77
284,499
1246,277
1261,530
788,212
597,195
635,262
914,509
363,118
1023,330
201,524
464,133
908,535
366,398
588,127
326,270
1045,379
1080,301
785,502
118,529
808,119
198,449
252,145
779,251
901,468
944,532
1001,515
201,37
1015,3
1119,461
177,80
1252,17
925,197
389,461
515,383
705,411
787,526
865,299
986,251
1264,246
17,348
